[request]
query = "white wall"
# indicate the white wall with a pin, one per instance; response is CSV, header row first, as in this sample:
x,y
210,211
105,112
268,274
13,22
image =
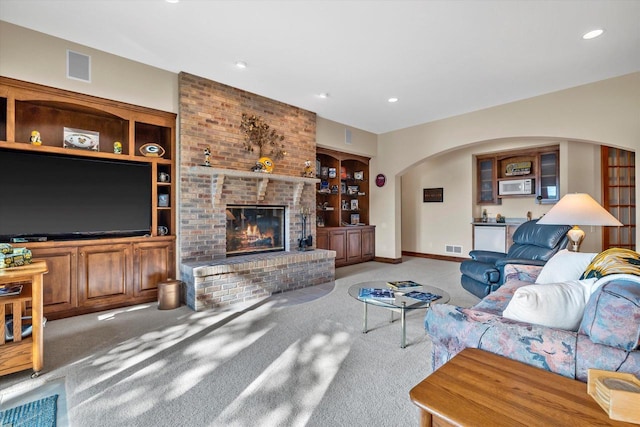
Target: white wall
x,y
39,58
330,134
605,112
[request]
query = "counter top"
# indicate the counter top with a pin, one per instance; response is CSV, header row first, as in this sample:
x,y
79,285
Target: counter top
x,y
515,221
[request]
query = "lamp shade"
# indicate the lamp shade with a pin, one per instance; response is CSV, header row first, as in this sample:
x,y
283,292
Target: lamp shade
x,y
579,209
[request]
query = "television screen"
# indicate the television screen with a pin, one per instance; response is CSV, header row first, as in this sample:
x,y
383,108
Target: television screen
x,y
67,197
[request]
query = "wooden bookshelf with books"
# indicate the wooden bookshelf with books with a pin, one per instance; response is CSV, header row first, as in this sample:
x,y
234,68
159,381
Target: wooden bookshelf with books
x,y
342,211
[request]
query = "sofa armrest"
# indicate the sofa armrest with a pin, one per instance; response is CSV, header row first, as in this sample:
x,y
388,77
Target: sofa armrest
x,y
521,272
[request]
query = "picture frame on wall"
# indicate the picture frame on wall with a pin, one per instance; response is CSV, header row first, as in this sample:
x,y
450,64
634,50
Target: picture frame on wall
x,y
433,195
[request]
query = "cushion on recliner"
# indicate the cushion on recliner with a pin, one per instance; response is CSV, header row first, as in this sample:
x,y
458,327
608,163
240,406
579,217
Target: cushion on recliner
x,y
544,236
612,315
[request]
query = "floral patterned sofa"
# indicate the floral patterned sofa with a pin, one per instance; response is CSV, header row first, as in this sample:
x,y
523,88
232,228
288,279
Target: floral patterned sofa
x,y
609,319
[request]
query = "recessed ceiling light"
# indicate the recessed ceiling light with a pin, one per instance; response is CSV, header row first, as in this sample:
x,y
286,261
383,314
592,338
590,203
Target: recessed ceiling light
x,y
172,1
241,64
593,34
392,100
323,95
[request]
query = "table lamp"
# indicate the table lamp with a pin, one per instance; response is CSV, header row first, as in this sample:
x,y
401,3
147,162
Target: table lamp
x,y
578,209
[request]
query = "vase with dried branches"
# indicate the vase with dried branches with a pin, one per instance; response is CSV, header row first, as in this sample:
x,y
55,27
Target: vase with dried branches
x,y
257,133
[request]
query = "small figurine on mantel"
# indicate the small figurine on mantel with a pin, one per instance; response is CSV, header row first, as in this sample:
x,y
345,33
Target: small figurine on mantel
x,y
207,156
308,170
35,138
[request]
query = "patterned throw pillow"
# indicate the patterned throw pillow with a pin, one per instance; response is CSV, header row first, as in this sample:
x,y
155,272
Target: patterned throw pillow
x,y
613,261
612,315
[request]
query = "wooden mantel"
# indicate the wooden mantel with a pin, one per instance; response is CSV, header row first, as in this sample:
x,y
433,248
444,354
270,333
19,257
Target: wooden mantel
x,y
218,177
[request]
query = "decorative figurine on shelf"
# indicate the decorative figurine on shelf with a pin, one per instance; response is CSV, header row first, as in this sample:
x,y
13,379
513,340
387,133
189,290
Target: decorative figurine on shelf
x,y
264,165
117,147
308,170
485,218
207,156
528,215
35,138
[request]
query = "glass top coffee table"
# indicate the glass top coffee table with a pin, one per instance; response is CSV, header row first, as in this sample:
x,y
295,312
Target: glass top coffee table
x,y
399,304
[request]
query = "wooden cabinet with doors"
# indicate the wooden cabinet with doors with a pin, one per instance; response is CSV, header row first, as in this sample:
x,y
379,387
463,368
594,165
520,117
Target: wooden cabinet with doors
x,y
542,165
342,199
153,262
353,245
100,274
60,284
87,272
104,274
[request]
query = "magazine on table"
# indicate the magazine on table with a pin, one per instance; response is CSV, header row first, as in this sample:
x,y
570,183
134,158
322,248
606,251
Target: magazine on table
x,y
423,296
402,285
378,294
8,290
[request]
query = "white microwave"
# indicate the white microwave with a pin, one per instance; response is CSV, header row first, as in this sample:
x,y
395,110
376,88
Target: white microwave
x,y
515,186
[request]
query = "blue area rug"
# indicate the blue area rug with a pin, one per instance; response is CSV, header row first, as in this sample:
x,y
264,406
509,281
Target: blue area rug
x,y
39,413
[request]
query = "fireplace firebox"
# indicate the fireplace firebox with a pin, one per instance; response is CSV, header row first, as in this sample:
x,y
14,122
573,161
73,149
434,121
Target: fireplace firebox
x,y
255,229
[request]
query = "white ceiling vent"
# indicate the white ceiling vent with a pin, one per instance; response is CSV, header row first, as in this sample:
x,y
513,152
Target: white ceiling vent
x,y
78,66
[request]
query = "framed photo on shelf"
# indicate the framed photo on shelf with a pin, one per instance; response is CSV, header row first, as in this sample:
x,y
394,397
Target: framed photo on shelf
x,y
355,219
354,204
332,173
359,175
353,189
343,187
430,195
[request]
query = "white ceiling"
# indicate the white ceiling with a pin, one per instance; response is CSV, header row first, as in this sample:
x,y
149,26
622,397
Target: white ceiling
x,y
440,58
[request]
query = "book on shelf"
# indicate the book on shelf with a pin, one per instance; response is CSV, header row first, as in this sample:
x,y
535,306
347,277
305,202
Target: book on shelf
x,y
400,285
378,294
423,296
8,290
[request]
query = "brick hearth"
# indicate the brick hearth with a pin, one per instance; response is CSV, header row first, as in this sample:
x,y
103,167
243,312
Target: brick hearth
x,y
238,279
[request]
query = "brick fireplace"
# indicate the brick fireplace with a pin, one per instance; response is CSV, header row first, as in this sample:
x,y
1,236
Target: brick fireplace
x,y
210,115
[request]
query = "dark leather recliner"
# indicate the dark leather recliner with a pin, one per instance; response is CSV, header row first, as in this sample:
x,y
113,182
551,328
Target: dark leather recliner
x,y
533,244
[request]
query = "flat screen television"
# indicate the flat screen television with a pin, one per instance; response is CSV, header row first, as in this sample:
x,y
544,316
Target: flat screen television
x,y
66,197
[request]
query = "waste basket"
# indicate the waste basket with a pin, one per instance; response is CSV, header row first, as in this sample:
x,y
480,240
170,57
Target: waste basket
x,y
169,294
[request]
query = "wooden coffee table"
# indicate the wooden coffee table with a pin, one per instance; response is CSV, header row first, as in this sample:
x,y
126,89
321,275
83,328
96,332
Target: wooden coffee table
x,y
477,388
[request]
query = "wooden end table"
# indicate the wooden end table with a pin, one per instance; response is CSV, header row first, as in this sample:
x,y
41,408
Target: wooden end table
x,y
21,354
478,388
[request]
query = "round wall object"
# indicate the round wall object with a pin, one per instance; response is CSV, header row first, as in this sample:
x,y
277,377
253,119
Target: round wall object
x,y
381,180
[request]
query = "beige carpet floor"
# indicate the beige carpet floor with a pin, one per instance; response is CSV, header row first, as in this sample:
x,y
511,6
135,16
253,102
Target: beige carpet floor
x,y
295,359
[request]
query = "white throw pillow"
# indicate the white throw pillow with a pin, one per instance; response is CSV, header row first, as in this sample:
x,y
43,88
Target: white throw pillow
x,y
564,266
556,305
